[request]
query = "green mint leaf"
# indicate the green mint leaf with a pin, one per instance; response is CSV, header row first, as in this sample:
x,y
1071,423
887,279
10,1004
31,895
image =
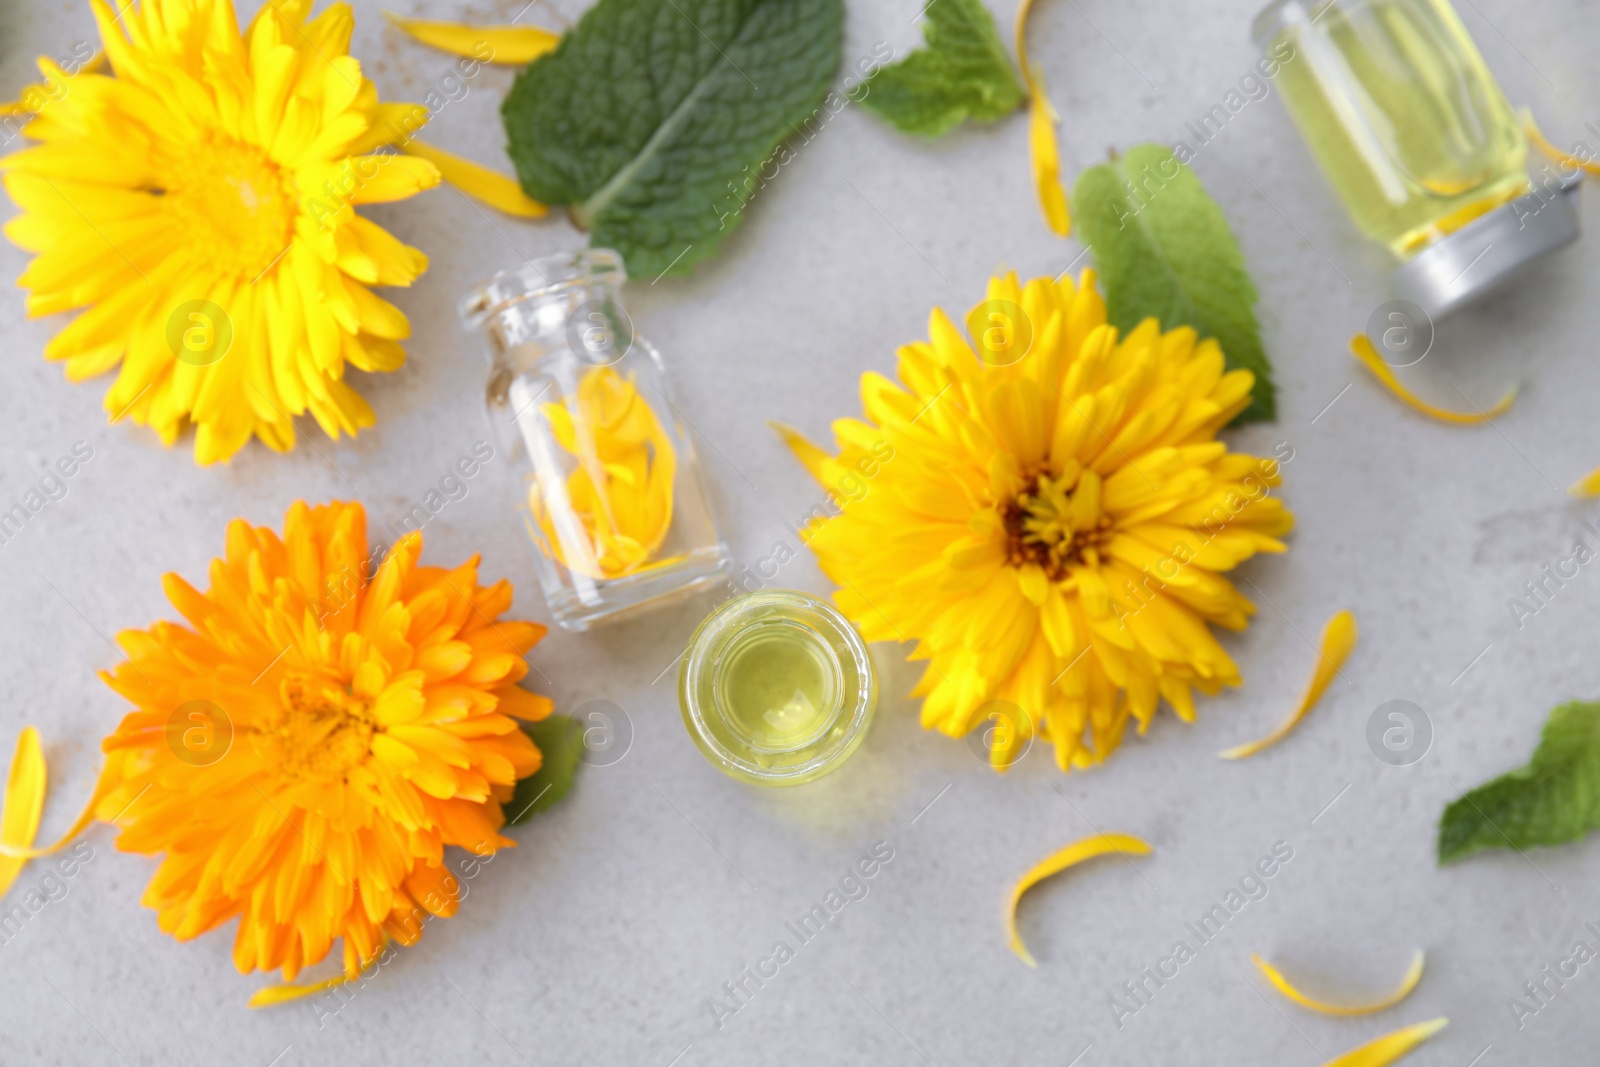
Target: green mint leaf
x,y
1164,250
1555,798
560,741
963,72
652,119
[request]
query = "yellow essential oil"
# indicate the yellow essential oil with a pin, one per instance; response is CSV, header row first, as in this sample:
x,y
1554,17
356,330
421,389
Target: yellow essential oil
x,y
1400,111
777,687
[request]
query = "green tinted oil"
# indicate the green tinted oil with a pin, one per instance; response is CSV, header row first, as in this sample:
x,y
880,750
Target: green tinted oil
x,y
776,687
1402,114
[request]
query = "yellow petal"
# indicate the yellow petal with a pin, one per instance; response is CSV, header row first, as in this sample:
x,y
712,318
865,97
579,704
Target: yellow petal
x,y
1075,853
813,458
17,850
479,182
267,996
1390,1047
1338,638
24,803
488,44
1407,984
1588,485
1367,354
1042,147
1537,139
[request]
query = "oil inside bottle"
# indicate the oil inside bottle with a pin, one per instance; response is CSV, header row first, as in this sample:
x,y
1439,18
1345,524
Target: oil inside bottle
x,y
1404,117
777,687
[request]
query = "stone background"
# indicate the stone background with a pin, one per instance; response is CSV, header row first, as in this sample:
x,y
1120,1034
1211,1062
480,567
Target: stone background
x,y
601,938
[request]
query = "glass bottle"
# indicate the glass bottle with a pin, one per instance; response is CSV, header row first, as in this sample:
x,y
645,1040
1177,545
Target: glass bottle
x,y
1415,135
777,688
606,478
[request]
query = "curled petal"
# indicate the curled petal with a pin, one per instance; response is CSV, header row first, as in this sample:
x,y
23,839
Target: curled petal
x,y
1367,354
479,182
1043,149
1537,138
1055,863
487,44
1390,1047
1281,984
1338,638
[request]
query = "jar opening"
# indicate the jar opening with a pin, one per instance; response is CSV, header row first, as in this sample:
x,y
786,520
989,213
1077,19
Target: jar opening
x,y
540,278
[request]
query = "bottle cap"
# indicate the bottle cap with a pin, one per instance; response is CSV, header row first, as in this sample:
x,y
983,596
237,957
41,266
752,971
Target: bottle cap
x,y
1491,250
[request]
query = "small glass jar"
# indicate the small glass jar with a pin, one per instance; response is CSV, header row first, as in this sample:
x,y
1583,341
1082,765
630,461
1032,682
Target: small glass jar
x,y
777,688
1411,129
606,478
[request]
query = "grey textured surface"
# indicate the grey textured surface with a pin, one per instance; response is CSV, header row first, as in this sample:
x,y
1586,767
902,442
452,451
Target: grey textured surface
x,y
601,938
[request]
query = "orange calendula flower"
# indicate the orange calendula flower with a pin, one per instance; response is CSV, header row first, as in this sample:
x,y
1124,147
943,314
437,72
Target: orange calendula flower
x,y
1055,520
305,745
197,208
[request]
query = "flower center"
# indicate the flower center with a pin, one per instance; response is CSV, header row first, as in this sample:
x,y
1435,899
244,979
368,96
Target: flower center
x,y
236,207
1058,523
323,732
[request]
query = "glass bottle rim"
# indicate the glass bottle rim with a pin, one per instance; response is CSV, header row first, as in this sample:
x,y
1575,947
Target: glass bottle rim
x,y
1277,15
855,715
538,278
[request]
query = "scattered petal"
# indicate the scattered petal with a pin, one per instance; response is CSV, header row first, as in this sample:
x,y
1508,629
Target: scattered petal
x,y
1338,638
267,996
1043,149
1588,485
479,182
1390,1047
1075,853
19,825
1407,984
487,44
1537,138
1363,350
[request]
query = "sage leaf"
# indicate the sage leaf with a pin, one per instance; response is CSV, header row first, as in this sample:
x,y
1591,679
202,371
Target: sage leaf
x,y
1164,250
560,741
652,119
962,72
1555,798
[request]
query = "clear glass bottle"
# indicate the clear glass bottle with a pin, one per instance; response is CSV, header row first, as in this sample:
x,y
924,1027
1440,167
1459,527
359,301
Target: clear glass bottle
x,y
606,477
1411,129
777,688
1403,115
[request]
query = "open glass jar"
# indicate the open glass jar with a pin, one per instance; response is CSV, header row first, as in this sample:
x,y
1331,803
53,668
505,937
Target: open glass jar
x,y
606,478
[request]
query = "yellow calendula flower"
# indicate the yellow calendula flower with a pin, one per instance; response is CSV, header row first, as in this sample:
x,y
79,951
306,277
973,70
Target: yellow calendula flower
x,y
620,487
196,208
1052,520
305,745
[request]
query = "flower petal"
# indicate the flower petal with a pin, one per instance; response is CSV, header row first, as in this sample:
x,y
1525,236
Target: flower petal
x,y
19,825
1407,984
488,44
1390,1047
1537,138
479,182
1367,354
1042,147
1338,638
1055,863
1588,485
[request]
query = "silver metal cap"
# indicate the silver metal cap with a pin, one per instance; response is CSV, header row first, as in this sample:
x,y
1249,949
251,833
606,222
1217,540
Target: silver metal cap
x,y
1490,251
